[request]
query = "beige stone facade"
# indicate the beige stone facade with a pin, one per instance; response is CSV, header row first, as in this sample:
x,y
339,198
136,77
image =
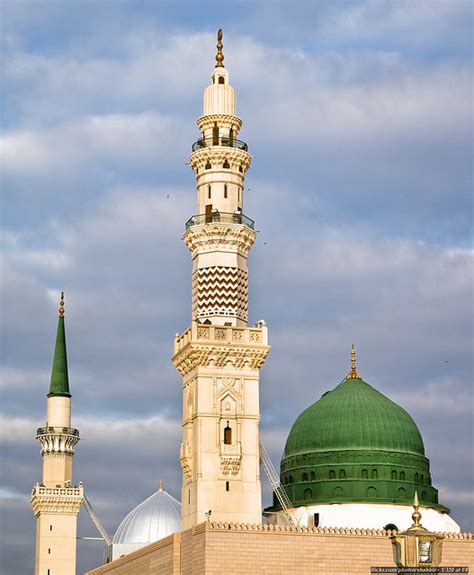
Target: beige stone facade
x,y
217,548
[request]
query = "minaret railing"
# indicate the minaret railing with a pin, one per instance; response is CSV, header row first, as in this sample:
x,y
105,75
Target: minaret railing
x,y
220,217
221,141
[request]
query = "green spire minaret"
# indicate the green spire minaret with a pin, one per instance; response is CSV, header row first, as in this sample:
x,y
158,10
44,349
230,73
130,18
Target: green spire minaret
x,y
59,375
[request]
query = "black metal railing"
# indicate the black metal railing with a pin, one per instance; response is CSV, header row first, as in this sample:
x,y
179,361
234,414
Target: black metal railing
x,y
222,141
220,217
52,430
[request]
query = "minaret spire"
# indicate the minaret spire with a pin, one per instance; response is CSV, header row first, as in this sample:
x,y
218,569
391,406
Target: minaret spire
x,y
219,46
59,385
353,374
56,502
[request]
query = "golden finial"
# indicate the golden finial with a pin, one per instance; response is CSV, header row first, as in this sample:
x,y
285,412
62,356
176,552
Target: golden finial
x,y
61,305
161,488
353,372
220,45
416,514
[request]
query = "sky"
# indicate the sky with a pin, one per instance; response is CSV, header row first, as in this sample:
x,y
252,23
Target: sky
x,y
358,116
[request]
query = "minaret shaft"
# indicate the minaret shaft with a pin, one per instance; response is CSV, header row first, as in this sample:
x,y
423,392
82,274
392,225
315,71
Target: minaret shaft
x,y
219,355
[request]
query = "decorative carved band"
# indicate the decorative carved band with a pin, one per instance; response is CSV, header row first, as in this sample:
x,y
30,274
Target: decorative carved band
x,y
222,120
56,440
214,355
217,155
230,465
217,236
64,500
219,290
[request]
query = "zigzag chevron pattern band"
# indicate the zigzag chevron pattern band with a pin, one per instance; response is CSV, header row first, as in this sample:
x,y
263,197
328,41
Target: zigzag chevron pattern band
x,y
220,290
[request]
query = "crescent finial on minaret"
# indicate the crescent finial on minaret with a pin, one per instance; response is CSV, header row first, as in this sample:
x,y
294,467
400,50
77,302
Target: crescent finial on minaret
x,y
220,45
61,305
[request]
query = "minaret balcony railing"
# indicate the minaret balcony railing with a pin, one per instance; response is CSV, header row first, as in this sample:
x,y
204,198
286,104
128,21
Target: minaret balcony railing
x,y
222,141
57,430
220,217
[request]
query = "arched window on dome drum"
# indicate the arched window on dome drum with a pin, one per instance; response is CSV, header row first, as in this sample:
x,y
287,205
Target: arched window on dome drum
x,y
227,434
374,474
304,477
342,474
422,478
313,475
365,474
308,494
402,476
423,495
290,478
402,494
417,478
371,492
394,474
332,474
338,491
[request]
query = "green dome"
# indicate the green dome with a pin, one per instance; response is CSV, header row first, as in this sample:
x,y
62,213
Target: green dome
x,y
356,445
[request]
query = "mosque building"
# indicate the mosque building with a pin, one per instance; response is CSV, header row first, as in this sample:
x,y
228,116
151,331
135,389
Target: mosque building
x,y
352,464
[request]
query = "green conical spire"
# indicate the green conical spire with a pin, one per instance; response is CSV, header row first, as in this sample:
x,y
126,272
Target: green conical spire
x,y
59,376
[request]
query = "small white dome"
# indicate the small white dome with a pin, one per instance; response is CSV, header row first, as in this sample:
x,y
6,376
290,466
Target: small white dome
x,y
155,518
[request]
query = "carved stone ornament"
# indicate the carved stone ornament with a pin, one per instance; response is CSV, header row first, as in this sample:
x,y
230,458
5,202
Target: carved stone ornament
x,y
56,440
230,465
217,156
219,236
223,120
58,500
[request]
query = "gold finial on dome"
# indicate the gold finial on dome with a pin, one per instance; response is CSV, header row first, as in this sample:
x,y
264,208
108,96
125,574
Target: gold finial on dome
x,y
416,516
353,374
220,45
61,305
161,488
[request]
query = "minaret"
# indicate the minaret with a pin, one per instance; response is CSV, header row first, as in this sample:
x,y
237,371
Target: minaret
x,y
219,355
55,501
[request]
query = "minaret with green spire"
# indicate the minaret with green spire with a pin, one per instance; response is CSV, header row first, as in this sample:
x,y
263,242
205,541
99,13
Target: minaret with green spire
x,y
55,501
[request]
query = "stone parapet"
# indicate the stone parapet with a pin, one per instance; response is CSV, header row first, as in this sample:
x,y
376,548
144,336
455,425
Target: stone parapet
x,y
56,500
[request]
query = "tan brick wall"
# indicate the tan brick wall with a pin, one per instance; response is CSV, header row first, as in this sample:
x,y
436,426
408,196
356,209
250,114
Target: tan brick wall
x,y
218,549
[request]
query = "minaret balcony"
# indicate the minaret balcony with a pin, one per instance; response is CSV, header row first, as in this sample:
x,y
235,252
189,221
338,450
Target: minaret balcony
x,y
222,141
57,439
220,217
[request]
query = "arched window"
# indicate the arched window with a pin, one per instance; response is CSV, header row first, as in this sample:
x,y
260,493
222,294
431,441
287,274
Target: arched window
x,y
332,474
209,192
374,474
342,474
227,434
225,190
208,165
423,495
394,474
417,478
402,476
226,164
304,477
240,169
365,474
371,492
215,135
402,494
421,478
338,491
313,475
291,478
221,80
308,494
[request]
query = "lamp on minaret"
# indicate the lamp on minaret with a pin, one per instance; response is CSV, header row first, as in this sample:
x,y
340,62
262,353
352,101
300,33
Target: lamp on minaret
x,y
55,501
219,355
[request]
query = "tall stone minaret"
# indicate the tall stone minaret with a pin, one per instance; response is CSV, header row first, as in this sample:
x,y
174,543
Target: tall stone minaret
x,y
55,501
219,355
